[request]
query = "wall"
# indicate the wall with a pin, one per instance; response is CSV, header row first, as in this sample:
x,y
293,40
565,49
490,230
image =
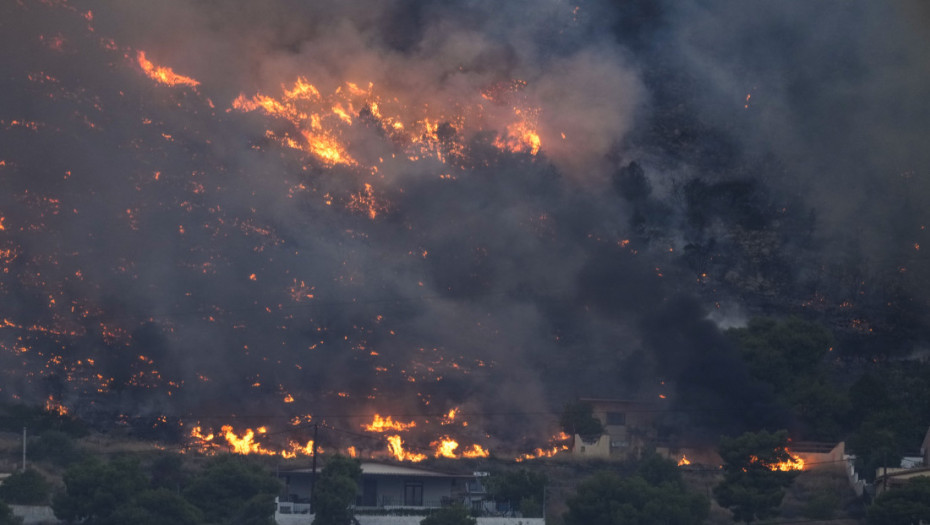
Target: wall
x,y
307,519
34,515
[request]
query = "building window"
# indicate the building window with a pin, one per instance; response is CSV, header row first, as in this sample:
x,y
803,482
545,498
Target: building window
x,y
413,494
616,419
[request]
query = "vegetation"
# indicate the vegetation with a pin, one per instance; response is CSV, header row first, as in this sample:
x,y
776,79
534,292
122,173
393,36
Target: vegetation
x,y
578,418
56,447
335,490
753,487
25,488
523,489
654,494
452,515
229,489
903,505
233,489
892,411
789,356
13,418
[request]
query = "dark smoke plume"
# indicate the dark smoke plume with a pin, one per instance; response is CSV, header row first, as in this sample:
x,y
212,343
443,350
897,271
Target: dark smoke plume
x,y
700,162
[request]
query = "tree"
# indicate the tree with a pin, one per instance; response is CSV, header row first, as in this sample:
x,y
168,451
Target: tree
x,y
753,486
522,488
788,355
25,488
608,499
335,490
157,507
578,418
233,489
94,490
452,515
905,505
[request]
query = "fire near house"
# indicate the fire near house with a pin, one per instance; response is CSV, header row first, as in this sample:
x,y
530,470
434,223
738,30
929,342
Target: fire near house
x,y
629,427
385,489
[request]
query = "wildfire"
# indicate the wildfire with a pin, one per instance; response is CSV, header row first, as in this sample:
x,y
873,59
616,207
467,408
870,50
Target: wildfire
x,y
322,121
163,75
684,460
380,424
246,443
541,453
444,447
53,406
396,449
792,463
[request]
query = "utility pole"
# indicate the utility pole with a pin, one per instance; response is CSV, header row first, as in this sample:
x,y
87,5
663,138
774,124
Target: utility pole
x,y
316,429
24,449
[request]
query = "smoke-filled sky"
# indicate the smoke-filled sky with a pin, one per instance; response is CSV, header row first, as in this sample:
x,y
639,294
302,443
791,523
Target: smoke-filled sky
x,y
167,251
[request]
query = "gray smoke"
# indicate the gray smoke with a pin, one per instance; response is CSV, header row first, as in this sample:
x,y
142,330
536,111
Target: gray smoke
x,y
147,223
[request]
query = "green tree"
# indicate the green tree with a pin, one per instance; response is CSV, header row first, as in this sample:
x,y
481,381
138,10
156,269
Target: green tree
x,y
578,418
789,356
608,499
25,488
452,515
234,489
157,507
753,486
335,490
522,488
905,505
94,490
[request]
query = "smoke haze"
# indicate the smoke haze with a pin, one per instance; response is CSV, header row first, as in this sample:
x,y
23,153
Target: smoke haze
x,y
162,254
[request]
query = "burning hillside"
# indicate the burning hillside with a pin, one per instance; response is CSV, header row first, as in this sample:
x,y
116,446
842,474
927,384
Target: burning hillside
x,y
390,224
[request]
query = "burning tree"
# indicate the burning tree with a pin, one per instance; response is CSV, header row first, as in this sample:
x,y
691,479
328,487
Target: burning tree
x,y
758,468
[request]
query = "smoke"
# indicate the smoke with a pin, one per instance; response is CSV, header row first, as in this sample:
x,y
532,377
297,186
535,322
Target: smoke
x,y
202,269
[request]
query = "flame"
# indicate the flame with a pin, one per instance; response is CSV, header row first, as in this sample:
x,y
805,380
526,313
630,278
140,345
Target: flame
x,y
163,75
444,447
396,449
684,460
792,463
476,451
541,453
320,122
379,424
521,137
449,417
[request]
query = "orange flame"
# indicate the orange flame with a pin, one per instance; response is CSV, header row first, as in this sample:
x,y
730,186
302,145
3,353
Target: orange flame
x,y
684,460
444,447
163,75
792,463
476,451
396,448
379,424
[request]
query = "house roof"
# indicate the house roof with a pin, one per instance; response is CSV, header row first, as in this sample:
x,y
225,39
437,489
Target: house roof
x,y
385,469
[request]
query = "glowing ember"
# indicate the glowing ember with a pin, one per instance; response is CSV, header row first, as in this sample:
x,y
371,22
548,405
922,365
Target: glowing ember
x,y
163,75
53,406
